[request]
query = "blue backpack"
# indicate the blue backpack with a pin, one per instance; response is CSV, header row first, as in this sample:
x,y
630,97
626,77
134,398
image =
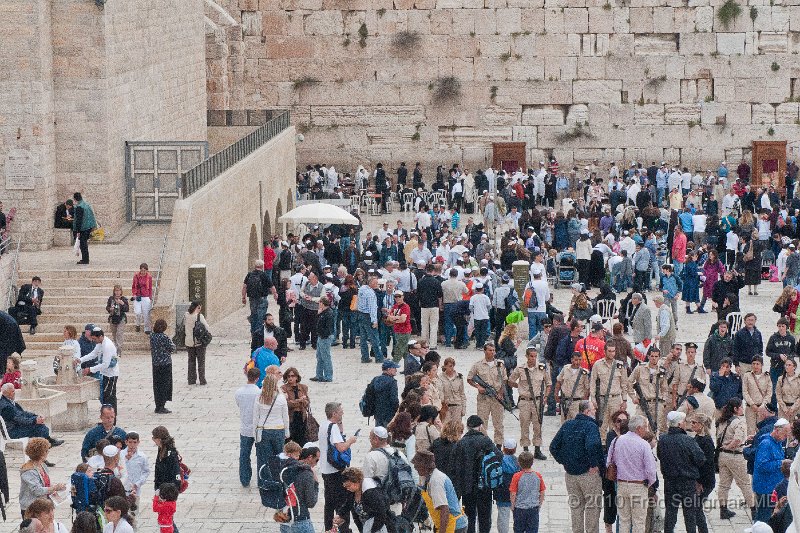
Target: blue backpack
x,y
339,460
84,492
491,473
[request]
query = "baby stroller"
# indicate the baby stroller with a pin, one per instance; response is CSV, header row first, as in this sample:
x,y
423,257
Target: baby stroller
x,y
767,265
567,268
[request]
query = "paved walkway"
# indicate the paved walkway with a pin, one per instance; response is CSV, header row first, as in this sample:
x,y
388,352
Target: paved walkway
x,y
205,423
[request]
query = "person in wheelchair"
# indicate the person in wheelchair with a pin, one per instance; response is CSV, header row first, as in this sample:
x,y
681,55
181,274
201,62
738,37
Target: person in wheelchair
x,y
29,304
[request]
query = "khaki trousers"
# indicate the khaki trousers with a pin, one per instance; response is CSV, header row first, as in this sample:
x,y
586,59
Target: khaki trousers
x,y
529,416
571,412
585,498
751,417
733,467
631,505
430,325
662,413
611,407
490,407
118,334
455,413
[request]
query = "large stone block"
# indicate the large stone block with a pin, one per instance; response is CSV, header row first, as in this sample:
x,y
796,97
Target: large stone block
x,y
544,115
596,91
681,113
324,23
730,43
576,20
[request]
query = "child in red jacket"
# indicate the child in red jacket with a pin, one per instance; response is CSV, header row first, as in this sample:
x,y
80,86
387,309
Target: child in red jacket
x,y
164,503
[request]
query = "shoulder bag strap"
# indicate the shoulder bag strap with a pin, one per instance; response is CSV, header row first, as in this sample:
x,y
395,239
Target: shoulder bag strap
x,y
270,409
610,381
722,439
530,385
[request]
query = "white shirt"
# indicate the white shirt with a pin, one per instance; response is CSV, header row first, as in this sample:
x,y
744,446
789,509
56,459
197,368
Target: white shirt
x,y
536,268
674,180
418,255
270,416
336,436
423,219
731,241
699,223
728,201
245,397
297,280
376,464
479,306
122,527
629,245
106,353
686,180
137,467
542,295
765,203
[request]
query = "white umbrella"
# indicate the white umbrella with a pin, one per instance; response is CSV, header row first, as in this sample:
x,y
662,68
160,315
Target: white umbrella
x,y
320,213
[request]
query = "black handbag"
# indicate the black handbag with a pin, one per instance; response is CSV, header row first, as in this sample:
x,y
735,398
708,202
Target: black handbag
x,y
200,333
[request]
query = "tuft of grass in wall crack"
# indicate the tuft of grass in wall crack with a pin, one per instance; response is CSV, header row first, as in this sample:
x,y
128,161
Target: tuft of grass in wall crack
x,y
728,12
363,33
579,131
493,93
753,13
446,90
405,41
305,81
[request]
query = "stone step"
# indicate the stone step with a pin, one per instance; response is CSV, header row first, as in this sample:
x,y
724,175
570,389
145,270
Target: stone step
x,y
89,281
48,275
49,337
79,291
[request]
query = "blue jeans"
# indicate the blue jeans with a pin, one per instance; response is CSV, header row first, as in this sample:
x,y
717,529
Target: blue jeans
x,y
344,244
526,520
385,336
324,362
661,193
349,328
774,374
535,323
449,325
481,333
335,323
271,444
245,466
368,333
258,310
299,526
555,370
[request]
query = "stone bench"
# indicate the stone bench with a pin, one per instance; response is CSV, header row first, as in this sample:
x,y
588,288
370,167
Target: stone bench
x,y
62,237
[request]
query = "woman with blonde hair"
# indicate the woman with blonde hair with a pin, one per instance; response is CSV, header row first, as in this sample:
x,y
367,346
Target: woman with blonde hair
x,y
117,307
454,400
507,352
34,478
700,424
270,420
442,447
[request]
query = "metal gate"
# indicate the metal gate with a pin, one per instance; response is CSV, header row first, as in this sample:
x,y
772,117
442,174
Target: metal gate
x,y
153,173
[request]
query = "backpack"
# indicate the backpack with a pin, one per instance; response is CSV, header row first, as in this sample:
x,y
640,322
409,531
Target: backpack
x,y
529,298
200,332
185,473
367,403
338,460
511,301
491,472
276,482
253,285
399,483
414,512
101,482
83,491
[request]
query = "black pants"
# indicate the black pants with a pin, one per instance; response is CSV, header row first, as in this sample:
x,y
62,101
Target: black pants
x,y
162,385
499,323
108,392
680,493
308,327
641,281
609,502
197,364
702,526
336,494
84,238
583,271
479,504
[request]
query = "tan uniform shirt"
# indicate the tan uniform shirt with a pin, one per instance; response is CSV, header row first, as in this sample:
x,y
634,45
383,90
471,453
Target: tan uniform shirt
x,y
539,375
647,377
452,389
684,373
705,406
735,429
601,372
435,393
757,390
788,390
568,377
672,370
488,371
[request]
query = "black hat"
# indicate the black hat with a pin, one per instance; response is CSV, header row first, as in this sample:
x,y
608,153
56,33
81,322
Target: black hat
x,y
97,332
691,400
690,345
699,385
474,421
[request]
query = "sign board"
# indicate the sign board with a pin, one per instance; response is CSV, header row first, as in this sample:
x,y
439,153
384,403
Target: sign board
x,y
20,170
519,270
198,286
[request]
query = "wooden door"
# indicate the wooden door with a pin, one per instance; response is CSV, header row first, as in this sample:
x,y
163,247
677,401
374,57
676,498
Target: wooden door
x,y
509,156
769,164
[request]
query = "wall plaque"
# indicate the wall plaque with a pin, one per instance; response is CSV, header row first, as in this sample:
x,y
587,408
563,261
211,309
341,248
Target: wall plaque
x,y
20,171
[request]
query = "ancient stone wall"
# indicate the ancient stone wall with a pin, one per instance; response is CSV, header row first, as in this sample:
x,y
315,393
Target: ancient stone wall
x,y
79,80
439,80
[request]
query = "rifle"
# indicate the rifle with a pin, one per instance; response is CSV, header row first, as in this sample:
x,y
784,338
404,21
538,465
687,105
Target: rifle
x,y
491,392
598,415
644,406
686,390
567,402
541,402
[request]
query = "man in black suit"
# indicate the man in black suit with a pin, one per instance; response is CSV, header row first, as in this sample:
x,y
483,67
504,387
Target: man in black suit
x,y
29,304
257,337
65,214
19,422
11,340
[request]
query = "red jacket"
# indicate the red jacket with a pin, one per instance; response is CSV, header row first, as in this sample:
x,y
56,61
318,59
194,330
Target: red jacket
x,y
592,349
269,257
142,285
165,510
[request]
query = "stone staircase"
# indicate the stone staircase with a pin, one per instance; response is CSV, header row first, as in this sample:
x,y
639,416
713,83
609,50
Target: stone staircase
x,y
78,297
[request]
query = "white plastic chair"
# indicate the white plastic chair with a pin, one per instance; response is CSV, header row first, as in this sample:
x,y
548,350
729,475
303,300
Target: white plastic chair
x,y
373,205
736,321
355,204
408,201
606,309
6,439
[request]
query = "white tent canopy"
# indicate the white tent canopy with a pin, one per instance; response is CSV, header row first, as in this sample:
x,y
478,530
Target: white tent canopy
x,y
320,213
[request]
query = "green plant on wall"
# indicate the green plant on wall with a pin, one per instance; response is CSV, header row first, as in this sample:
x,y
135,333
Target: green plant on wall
x,y
728,12
775,66
493,93
753,13
447,89
363,33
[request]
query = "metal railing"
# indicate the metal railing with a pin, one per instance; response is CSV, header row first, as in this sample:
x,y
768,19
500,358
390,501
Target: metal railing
x,y
160,268
218,163
11,291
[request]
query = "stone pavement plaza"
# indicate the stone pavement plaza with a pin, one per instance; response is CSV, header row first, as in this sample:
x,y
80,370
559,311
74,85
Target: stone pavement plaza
x,y
205,423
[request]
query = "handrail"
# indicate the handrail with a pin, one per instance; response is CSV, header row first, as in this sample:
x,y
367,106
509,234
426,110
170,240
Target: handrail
x,y
160,267
193,179
12,282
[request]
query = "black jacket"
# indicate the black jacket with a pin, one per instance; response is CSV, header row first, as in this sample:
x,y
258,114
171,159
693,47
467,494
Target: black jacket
x,y
168,469
11,340
26,294
707,474
777,346
443,450
429,291
257,341
747,345
680,456
375,504
325,323
577,446
468,453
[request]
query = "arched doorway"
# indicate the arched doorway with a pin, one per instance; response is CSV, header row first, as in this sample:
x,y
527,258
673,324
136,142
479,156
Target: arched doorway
x,y
278,214
266,229
254,248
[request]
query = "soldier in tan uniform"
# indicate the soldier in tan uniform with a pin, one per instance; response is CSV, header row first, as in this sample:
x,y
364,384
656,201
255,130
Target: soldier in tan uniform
x,y
431,371
757,392
787,391
671,363
454,400
686,372
534,382
573,384
732,434
651,379
613,397
493,372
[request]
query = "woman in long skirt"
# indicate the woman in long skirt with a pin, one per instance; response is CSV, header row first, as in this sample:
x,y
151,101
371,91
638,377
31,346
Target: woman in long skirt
x,y
161,349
